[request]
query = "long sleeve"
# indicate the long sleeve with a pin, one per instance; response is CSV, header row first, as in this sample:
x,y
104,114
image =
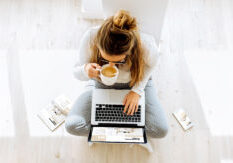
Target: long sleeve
x,y
83,56
151,57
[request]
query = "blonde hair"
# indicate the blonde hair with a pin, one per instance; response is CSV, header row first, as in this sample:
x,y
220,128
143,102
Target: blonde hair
x,y
119,35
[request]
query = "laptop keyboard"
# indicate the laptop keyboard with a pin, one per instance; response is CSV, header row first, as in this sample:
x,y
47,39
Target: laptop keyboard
x,y
106,112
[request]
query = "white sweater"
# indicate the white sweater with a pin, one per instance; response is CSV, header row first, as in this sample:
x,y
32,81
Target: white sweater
x,y
150,57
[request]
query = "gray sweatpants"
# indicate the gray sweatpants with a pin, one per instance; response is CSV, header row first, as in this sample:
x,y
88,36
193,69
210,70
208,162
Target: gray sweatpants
x,y
78,120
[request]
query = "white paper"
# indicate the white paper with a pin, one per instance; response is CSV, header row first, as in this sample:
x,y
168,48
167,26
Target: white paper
x,y
183,119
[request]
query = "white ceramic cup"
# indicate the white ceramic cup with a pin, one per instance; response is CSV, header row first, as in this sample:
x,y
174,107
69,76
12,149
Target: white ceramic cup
x,y
108,80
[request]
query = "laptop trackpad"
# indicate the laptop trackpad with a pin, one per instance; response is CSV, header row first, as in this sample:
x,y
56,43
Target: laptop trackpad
x,y
117,134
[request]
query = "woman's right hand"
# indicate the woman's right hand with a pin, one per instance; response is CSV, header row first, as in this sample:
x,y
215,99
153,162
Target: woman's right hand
x,y
91,70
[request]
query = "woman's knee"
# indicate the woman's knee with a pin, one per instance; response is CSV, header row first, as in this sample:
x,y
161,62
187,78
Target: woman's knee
x,y
76,125
159,131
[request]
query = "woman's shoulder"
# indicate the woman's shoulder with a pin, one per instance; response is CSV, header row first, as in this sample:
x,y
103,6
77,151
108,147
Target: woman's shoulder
x,y
150,48
92,31
148,40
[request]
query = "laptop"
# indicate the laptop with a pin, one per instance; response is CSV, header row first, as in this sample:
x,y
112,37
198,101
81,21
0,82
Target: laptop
x,y
108,122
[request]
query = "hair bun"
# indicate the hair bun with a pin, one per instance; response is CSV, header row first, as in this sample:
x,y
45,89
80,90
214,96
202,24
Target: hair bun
x,y
123,20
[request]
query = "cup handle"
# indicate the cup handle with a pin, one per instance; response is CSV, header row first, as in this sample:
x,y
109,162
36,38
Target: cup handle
x,y
98,70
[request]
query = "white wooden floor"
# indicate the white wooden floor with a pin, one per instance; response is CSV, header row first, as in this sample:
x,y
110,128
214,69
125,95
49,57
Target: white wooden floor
x,y
197,48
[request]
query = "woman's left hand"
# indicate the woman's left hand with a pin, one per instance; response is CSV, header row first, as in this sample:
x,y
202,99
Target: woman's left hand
x,y
131,103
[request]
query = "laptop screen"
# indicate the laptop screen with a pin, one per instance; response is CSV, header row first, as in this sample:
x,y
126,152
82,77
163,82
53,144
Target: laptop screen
x,y
117,134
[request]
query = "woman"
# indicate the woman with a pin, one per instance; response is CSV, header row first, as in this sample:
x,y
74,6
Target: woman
x,y
118,42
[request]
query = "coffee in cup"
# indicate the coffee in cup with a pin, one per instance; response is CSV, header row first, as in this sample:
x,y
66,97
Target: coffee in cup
x,y
109,74
109,71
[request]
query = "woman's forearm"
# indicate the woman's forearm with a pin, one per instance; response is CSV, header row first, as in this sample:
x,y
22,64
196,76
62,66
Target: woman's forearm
x,y
79,73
